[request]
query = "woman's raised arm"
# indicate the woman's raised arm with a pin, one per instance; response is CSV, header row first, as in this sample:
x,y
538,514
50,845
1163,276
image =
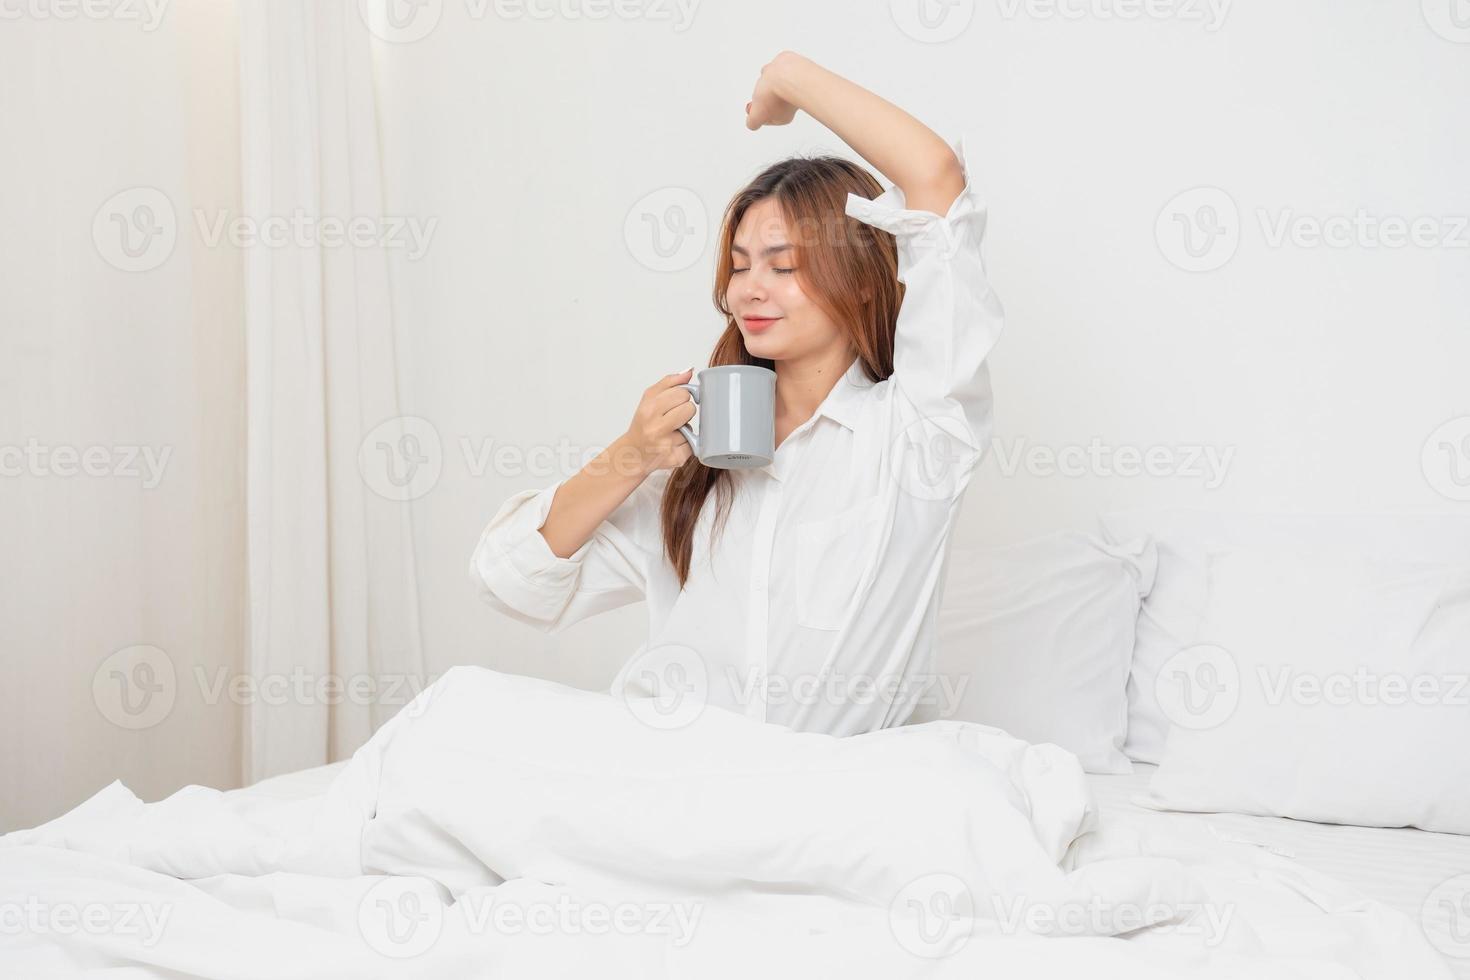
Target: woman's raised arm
x,y
950,319
903,149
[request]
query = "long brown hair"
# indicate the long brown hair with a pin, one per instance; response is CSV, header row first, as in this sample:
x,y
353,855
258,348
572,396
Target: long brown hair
x,y
848,268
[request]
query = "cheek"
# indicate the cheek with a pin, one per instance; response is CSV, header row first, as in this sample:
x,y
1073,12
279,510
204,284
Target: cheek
x,y
804,314
791,296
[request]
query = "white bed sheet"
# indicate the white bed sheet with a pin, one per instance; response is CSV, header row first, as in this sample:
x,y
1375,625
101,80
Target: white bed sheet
x,y
1400,867
305,918
292,785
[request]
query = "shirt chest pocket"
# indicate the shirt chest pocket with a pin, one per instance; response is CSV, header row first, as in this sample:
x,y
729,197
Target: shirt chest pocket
x,y
832,554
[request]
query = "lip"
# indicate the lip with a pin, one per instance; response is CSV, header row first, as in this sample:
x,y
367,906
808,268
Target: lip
x,y
757,324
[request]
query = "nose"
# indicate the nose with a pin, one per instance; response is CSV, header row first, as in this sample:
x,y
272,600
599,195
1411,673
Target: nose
x,y
749,287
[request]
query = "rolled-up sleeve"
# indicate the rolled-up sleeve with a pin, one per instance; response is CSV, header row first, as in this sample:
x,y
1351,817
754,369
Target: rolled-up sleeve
x,y
514,569
950,318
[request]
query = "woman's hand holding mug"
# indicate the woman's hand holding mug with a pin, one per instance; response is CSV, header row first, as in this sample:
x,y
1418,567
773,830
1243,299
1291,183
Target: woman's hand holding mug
x,y
654,431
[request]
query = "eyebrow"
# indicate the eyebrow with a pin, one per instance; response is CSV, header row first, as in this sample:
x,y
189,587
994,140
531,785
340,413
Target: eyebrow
x,y
769,250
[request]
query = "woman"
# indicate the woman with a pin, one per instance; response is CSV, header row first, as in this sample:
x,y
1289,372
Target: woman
x,y
813,603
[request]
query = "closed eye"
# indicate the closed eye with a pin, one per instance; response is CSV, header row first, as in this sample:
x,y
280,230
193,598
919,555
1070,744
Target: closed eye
x,y
786,272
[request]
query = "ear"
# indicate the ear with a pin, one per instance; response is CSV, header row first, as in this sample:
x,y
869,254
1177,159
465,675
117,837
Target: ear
x,y
867,296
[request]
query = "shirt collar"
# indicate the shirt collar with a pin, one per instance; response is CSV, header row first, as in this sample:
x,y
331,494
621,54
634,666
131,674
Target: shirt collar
x,y
846,397
842,405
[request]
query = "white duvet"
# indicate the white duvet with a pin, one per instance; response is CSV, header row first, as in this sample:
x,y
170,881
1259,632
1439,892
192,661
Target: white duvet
x,y
501,826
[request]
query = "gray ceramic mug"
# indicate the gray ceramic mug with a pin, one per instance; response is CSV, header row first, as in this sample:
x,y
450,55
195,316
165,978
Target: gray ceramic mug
x,y
737,416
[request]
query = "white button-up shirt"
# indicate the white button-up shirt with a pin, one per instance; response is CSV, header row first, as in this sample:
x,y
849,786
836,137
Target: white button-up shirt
x,y
817,607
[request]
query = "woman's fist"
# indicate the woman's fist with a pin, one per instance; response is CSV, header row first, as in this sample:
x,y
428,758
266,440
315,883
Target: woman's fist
x,y
654,431
766,107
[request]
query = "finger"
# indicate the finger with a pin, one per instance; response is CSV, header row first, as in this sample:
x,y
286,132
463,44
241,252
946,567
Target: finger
x,y
679,414
672,398
669,380
752,117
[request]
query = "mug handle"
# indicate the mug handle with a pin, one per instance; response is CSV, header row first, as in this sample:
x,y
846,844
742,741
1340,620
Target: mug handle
x,y
686,430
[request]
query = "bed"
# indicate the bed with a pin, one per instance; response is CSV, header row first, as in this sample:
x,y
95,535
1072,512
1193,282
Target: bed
x,y
1399,867
1059,810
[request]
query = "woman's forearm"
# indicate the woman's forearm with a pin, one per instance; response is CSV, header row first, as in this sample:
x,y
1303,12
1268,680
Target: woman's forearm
x,y
901,147
590,496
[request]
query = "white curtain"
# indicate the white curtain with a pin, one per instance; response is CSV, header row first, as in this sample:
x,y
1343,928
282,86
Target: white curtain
x,y
333,608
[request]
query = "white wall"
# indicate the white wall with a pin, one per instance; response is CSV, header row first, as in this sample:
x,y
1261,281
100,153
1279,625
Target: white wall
x,y
100,356
534,321
1314,374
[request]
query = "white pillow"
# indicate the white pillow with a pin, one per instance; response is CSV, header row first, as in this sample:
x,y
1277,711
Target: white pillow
x,y
1036,638
1328,690
1170,618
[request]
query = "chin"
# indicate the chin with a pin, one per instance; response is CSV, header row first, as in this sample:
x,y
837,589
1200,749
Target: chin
x,y
763,346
